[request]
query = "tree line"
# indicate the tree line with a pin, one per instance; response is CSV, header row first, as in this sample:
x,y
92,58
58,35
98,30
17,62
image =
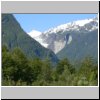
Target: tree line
x,y
18,70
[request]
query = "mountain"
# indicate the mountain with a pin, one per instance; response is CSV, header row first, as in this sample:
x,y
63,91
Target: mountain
x,y
73,40
83,45
14,36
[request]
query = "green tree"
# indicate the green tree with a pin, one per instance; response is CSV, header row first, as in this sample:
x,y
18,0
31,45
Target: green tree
x,y
19,64
36,67
88,72
46,71
62,64
7,61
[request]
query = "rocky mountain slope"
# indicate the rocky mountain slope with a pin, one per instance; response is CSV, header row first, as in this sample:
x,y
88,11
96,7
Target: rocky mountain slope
x,y
63,39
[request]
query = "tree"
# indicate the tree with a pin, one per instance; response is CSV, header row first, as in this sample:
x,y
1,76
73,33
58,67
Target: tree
x,y
46,71
88,72
7,61
86,66
36,67
4,49
19,64
62,64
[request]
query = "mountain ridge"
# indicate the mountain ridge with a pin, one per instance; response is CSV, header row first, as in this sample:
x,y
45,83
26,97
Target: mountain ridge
x,y
79,26
64,35
14,36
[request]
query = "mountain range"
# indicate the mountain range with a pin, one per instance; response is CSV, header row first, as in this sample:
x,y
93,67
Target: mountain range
x,y
74,40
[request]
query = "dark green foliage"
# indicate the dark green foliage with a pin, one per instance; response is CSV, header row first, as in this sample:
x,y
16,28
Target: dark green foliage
x,y
36,67
18,70
63,64
15,66
88,71
46,71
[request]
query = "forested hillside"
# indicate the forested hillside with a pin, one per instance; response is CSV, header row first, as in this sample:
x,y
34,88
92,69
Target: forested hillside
x,y
18,70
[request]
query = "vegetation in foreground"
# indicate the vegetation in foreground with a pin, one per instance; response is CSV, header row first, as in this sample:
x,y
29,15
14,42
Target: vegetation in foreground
x,y
18,70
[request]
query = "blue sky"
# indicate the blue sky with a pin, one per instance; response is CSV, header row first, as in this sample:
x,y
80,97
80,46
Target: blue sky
x,y
42,22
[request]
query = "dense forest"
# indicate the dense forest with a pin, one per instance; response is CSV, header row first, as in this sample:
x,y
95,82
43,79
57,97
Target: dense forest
x,y
18,70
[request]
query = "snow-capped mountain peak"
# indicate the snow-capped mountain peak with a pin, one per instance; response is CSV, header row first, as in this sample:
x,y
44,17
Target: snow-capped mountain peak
x,y
82,22
75,25
57,38
34,33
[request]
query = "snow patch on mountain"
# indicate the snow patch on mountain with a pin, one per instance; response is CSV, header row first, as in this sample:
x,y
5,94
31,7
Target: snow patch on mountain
x,y
34,33
82,22
40,40
69,40
75,25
